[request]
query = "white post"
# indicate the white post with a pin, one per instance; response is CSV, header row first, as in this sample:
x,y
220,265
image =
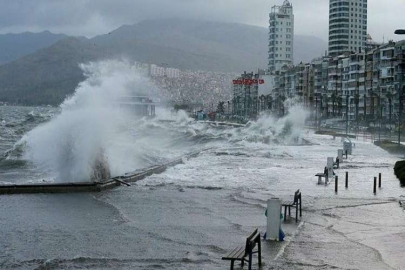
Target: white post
x,y
273,219
340,155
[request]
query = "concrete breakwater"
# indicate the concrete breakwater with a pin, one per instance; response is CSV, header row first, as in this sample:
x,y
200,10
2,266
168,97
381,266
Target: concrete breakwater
x,y
229,124
94,186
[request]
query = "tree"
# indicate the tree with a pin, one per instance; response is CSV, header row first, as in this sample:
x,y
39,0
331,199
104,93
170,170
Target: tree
x,y
262,102
269,102
365,107
340,105
390,96
356,102
333,97
281,104
220,107
326,100
372,104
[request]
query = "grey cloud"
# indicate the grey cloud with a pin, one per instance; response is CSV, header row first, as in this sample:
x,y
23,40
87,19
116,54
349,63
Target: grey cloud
x,y
93,17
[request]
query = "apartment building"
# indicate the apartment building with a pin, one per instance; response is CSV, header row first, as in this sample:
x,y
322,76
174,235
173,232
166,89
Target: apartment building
x,y
281,37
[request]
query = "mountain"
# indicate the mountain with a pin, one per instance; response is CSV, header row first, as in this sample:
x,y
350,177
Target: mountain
x,y
14,46
48,75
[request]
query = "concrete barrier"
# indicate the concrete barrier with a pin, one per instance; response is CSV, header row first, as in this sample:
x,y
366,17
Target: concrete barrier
x,y
93,186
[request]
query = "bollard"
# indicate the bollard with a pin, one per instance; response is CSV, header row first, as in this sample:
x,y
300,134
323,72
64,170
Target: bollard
x,y
379,180
347,180
273,219
375,185
336,184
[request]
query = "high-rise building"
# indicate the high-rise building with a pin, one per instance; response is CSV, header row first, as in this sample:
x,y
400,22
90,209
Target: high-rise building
x,y
347,26
281,36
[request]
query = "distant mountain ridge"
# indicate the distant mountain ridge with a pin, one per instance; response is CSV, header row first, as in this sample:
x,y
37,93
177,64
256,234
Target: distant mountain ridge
x,y
49,74
14,46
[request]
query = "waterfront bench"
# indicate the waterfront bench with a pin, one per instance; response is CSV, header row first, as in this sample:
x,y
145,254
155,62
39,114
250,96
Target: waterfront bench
x,y
241,252
296,203
320,176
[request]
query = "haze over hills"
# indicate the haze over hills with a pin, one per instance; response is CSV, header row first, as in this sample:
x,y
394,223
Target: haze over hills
x,y
14,46
48,75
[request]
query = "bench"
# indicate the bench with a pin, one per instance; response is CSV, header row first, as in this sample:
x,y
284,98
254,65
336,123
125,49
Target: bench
x,y
240,253
296,203
320,175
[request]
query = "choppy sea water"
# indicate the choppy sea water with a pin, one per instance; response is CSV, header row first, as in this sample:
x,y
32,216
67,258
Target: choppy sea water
x,y
190,215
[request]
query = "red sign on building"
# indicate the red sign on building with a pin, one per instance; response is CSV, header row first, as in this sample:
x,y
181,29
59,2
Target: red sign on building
x,y
248,81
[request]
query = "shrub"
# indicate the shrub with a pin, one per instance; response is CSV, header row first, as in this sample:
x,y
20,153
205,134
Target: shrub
x,y
399,170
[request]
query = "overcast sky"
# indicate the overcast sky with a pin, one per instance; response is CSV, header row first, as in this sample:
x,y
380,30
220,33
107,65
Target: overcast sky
x,y
94,17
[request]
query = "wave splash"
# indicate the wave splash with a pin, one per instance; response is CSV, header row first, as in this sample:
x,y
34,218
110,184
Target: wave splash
x,y
81,143
266,130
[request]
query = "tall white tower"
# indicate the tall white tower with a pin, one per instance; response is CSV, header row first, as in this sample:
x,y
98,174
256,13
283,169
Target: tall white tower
x,y
347,26
281,36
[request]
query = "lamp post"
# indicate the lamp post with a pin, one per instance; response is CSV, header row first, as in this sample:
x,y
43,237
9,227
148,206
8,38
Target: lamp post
x,y
347,114
316,109
400,32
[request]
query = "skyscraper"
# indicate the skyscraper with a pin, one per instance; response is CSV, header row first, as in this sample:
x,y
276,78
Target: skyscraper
x,y
347,26
281,36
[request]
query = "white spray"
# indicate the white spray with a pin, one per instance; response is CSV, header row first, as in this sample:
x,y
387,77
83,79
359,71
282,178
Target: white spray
x,y
83,142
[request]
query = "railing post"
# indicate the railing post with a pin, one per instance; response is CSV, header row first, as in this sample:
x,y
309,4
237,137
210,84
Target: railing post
x,y
336,184
379,180
375,186
347,180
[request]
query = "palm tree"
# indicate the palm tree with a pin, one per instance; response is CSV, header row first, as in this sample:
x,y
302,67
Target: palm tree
x,y
269,102
333,97
390,96
238,106
372,104
261,103
281,105
221,107
365,107
325,97
339,105
356,102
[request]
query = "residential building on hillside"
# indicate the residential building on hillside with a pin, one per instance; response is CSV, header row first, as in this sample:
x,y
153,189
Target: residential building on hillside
x,y
347,26
363,86
281,36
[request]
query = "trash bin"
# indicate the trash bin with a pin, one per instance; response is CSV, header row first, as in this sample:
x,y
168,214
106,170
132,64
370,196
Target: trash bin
x,y
340,155
347,146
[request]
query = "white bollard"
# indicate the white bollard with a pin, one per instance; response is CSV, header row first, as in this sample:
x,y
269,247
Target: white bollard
x,y
340,155
273,219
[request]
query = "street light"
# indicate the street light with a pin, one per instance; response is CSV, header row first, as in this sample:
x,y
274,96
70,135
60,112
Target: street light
x,y
400,32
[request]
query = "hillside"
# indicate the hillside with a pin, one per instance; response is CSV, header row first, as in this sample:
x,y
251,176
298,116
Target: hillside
x,y
48,75
14,46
